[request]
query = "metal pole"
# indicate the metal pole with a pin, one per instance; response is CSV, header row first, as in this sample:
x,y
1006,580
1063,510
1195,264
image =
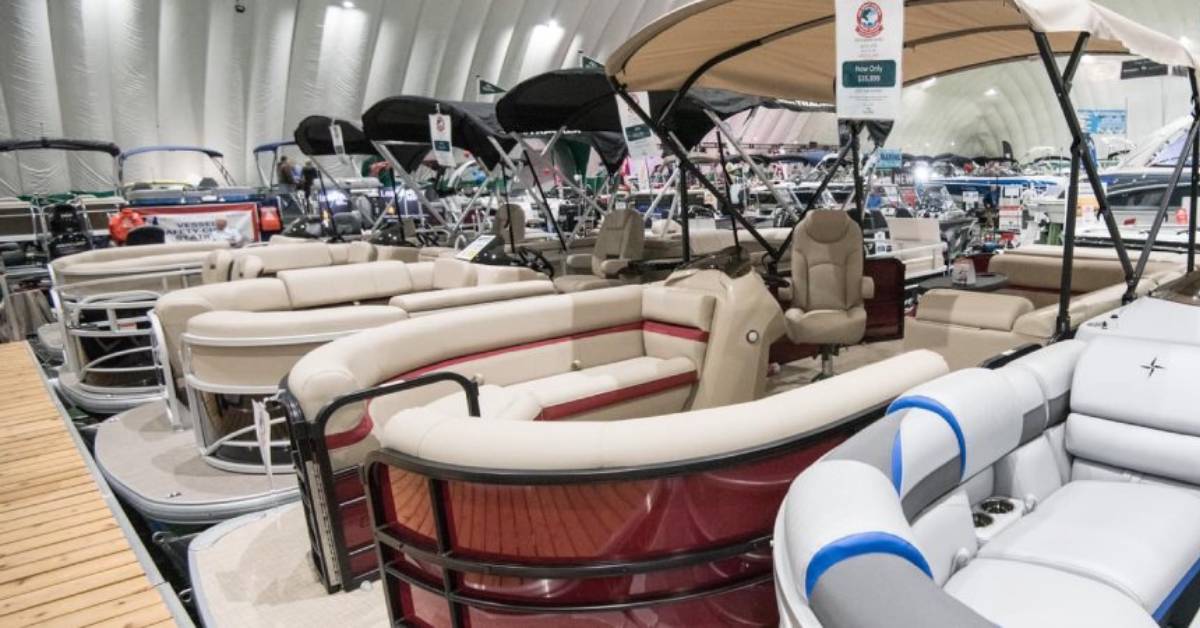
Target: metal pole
x,y
859,205
1191,255
685,216
1165,204
728,185
723,129
1062,324
1062,93
676,147
549,215
821,187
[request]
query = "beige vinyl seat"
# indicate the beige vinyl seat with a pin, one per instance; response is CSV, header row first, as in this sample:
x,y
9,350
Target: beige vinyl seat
x,y
510,224
265,261
918,243
620,242
828,286
969,327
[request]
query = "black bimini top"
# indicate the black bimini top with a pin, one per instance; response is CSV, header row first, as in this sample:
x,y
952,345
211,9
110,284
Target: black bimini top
x,y
582,99
406,119
58,143
314,138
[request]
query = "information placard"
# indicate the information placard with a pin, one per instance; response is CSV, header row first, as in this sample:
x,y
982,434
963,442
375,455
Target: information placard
x,y
441,140
870,44
639,137
472,250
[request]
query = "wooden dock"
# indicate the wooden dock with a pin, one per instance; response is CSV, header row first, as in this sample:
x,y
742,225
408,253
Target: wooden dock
x,y
65,559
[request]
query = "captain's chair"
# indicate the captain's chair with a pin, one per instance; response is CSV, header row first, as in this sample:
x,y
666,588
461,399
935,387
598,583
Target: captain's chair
x,y
828,286
510,221
620,242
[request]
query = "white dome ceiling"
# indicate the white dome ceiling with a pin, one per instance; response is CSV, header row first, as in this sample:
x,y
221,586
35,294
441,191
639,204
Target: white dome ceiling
x,y
142,72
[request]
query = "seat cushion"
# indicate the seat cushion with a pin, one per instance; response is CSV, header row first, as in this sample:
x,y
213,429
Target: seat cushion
x,y
1024,595
495,402
1140,539
579,283
836,327
579,391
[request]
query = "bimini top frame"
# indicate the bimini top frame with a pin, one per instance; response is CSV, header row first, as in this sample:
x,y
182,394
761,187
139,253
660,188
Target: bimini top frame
x,y
64,144
215,155
264,176
787,49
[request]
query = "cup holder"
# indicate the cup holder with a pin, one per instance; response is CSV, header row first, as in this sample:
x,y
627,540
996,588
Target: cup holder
x,y
997,506
981,520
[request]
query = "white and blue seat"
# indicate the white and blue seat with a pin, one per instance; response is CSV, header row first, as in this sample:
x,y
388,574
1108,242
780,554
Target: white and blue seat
x,y
1092,449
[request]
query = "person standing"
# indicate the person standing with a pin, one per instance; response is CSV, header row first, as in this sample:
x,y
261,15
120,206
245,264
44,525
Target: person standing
x,y
284,174
223,232
308,177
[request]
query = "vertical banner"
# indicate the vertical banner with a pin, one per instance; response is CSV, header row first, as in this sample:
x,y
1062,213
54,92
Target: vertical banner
x,y
870,45
639,137
440,139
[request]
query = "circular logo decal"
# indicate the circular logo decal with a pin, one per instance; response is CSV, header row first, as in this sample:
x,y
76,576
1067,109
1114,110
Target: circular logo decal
x,y
441,124
869,19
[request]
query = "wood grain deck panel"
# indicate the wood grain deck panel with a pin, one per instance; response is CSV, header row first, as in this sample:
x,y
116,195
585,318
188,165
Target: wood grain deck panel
x,y
64,560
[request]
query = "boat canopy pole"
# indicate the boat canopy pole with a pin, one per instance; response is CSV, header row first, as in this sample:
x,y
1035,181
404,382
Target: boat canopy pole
x,y
724,130
728,185
1061,85
673,144
821,187
1191,254
409,181
565,179
667,187
1163,206
685,215
537,184
856,156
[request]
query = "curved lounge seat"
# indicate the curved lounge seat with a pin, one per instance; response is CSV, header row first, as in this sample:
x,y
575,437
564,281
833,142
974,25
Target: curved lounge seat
x,y
229,343
601,355
1093,458
645,487
968,327
259,261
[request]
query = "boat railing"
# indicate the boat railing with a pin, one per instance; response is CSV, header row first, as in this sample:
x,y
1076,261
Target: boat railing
x,y
335,503
223,414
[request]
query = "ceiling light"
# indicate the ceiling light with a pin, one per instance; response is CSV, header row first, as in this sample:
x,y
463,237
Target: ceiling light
x,y
930,82
552,24
991,92
346,4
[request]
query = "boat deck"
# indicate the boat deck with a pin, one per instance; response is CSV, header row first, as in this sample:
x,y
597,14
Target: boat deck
x,y
66,558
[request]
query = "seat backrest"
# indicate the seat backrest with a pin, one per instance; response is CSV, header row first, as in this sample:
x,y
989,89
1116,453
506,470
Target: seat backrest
x,y
146,234
346,284
621,237
1133,408
510,218
827,262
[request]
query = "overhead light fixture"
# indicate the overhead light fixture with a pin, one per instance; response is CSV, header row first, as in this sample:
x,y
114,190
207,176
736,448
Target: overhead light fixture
x,y
991,92
346,4
552,24
929,82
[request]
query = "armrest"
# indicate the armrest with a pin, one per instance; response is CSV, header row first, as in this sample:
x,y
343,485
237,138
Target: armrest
x,y
613,267
868,288
580,261
426,302
980,310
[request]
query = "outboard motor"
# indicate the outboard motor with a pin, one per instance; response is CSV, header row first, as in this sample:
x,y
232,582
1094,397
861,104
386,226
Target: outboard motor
x,y
68,231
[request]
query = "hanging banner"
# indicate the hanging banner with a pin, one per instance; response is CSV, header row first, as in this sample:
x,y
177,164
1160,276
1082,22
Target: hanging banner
x,y
889,159
440,140
198,223
1009,209
639,137
870,44
488,89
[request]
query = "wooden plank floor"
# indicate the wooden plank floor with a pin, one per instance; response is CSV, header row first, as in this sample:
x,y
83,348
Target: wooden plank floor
x,y
64,559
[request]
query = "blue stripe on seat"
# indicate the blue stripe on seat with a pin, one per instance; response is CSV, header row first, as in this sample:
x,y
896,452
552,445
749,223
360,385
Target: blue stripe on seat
x,y
897,464
922,402
858,545
1173,596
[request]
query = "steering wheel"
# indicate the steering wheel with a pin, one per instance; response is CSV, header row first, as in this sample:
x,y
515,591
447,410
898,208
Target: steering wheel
x,y
535,261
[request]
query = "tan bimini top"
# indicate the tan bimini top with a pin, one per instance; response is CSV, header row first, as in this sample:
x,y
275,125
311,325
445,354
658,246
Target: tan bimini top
x,y
786,48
